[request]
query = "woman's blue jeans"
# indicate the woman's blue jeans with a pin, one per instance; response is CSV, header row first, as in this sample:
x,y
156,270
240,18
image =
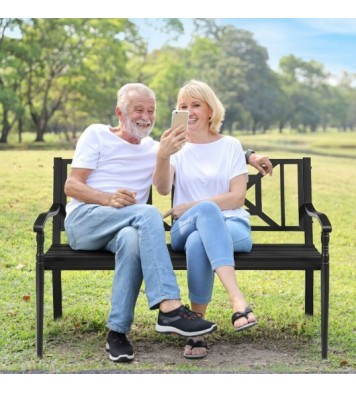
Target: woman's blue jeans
x,y
136,235
209,240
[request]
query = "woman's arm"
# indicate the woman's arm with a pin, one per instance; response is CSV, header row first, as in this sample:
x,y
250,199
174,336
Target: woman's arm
x,y
163,174
171,141
233,199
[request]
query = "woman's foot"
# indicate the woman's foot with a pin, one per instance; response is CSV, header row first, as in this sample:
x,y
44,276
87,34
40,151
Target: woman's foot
x,y
195,348
243,319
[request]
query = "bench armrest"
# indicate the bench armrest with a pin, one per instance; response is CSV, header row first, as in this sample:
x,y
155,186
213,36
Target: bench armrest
x,y
41,220
321,217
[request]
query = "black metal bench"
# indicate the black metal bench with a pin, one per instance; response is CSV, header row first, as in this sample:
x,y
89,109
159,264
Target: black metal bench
x,y
289,188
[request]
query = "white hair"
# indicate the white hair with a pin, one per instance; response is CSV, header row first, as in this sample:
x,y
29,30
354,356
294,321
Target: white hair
x,y
124,92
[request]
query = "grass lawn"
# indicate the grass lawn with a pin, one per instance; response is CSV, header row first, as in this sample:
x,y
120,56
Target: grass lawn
x,y
75,343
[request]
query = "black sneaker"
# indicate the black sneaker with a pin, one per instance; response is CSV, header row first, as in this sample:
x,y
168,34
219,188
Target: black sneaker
x,y
184,322
119,347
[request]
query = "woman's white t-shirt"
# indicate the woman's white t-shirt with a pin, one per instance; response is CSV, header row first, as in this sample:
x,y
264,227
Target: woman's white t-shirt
x,y
205,170
115,162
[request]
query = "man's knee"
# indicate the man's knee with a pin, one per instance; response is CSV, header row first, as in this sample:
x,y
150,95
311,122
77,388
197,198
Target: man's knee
x,y
151,213
128,238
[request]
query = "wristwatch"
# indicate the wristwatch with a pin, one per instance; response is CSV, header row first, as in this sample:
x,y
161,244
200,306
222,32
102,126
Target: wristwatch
x,y
248,153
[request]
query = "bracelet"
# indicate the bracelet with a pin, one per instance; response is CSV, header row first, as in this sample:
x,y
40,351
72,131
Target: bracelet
x,y
248,153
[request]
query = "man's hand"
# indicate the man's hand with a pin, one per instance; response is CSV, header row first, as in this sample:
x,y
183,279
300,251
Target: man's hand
x,y
261,163
122,197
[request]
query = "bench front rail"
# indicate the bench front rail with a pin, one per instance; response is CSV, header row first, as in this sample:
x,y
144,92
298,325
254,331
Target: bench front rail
x,y
279,205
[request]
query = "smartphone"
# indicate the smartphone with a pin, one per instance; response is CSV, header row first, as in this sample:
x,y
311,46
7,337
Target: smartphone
x,y
180,117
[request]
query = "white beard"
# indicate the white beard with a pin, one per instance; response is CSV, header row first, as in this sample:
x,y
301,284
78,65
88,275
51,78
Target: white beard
x,y
136,129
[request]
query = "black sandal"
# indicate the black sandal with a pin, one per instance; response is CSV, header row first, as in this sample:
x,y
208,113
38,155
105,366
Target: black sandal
x,y
196,344
240,314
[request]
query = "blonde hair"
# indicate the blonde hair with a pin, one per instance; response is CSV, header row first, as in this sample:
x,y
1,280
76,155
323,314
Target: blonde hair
x,y
202,92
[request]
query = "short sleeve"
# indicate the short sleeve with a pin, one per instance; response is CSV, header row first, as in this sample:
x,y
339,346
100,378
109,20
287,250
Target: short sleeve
x,y
87,151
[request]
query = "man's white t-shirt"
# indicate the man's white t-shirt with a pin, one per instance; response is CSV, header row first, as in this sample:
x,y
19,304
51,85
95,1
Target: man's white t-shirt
x,y
115,162
205,170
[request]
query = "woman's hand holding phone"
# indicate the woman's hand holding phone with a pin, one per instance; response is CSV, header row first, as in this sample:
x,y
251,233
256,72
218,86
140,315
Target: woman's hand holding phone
x,y
173,139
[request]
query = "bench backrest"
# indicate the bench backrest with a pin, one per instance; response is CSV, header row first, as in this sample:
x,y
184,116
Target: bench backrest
x,y
274,202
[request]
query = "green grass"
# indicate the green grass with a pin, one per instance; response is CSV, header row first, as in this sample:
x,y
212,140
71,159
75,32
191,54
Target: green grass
x,y
75,343
331,143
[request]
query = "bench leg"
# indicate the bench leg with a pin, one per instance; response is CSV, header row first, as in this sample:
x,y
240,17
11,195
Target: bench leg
x,y
324,309
57,293
39,306
309,292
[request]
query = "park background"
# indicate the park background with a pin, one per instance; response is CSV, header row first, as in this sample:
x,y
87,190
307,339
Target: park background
x,y
60,75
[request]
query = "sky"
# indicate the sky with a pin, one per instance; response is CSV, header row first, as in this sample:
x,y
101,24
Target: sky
x,y
321,30
329,41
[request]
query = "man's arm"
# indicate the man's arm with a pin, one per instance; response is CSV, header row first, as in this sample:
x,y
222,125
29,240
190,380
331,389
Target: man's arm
x,y
259,161
77,188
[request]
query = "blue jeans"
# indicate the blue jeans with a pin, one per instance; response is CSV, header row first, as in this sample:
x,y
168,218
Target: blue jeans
x,y
135,234
209,240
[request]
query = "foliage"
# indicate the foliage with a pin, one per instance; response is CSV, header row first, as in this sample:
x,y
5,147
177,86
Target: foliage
x,y
58,75
165,71
68,67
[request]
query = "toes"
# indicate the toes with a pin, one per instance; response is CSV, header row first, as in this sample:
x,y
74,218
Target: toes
x,y
198,351
241,322
188,350
251,318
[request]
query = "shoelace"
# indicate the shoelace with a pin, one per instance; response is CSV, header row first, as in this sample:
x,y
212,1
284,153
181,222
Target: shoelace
x,y
120,338
191,314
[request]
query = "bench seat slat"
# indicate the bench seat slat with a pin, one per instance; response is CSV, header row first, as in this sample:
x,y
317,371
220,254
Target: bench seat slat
x,y
262,257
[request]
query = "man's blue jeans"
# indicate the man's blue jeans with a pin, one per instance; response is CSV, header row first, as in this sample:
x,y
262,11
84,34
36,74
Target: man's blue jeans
x,y
209,240
135,234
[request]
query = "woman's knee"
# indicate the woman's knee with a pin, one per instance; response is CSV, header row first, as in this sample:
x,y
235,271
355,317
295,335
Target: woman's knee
x,y
243,245
208,208
240,234
194,242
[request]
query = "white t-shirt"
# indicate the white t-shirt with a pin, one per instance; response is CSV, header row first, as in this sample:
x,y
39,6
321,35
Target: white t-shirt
x,y
115,163
205,170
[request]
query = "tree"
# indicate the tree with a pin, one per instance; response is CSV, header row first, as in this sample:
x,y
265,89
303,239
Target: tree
x,y
305,84
73,63
343,103
165,71
237,69
112,45
11,76
284,107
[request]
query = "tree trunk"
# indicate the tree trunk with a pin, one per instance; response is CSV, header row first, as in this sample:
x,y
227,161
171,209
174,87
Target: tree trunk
x,y
5,127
